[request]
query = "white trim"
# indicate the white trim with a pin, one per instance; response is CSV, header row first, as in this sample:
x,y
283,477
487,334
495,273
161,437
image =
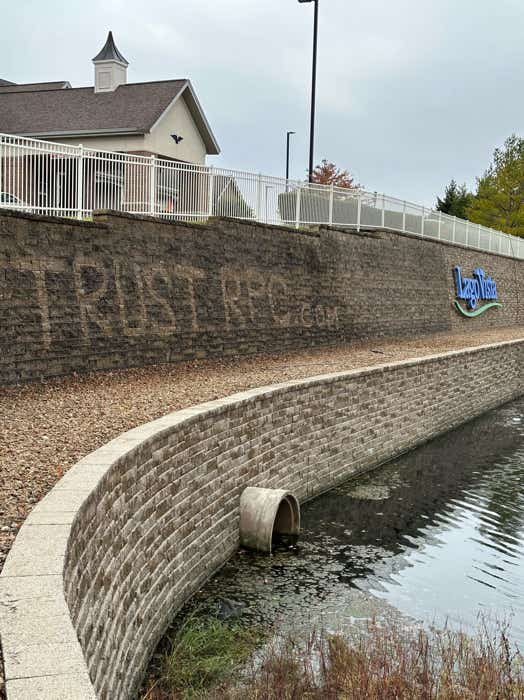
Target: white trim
x,y
205,133
169,106
86,132
111,60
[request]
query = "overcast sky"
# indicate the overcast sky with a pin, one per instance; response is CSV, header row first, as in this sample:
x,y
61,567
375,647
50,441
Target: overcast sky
x,y
410,92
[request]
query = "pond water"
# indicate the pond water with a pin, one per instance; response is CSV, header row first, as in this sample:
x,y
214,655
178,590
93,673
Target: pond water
x,y
436,535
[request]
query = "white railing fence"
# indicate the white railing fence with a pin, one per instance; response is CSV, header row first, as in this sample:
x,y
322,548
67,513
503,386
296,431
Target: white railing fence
x,y
51,178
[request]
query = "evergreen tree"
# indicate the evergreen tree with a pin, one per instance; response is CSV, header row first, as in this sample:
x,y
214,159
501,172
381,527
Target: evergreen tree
x,y
456,200
499,200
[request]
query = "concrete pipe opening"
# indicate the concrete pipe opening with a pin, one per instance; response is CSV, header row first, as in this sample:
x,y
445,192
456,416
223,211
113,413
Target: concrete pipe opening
x,y
267,515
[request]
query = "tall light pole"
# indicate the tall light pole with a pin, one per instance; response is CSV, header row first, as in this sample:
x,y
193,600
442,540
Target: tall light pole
x,y
288,134
313,90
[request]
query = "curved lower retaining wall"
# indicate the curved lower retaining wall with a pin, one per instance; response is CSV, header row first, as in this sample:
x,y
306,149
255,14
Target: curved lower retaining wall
x,y
131,531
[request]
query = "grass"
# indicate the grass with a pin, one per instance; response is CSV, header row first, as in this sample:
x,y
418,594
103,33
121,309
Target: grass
x,y
201,655
213,660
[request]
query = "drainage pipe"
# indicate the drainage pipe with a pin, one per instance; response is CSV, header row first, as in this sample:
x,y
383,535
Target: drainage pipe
x,y
266,514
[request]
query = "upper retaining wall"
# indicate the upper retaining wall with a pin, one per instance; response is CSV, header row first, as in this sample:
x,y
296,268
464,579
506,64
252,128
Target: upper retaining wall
x,y
125,291
132,530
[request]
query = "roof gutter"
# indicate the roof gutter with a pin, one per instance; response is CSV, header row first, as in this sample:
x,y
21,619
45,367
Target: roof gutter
x,y
83,132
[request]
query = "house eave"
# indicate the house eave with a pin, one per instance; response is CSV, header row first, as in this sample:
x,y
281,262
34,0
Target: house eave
x,y
198,114
124,64
85,132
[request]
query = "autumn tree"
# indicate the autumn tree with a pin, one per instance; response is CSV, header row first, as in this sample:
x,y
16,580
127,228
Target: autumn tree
x,y
499,199
327,173
455,201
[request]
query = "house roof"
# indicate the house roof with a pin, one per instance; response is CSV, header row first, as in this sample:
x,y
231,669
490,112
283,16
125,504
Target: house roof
x,y
109,52
133,108
6,86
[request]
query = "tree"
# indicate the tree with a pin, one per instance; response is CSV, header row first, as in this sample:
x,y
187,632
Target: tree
x,y
327,173
499,200
456,200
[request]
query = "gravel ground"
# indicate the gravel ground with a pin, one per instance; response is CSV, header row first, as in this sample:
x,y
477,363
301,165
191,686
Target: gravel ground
x,y
45,428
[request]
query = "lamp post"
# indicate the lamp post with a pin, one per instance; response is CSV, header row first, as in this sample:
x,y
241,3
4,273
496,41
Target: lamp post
x,y
313,89
288,134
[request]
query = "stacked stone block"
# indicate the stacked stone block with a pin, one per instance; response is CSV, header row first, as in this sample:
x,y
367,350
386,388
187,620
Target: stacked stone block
x,y
127,291
131,531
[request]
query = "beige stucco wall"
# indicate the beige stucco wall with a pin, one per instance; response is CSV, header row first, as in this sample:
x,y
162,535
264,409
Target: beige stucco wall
x,y
105,143
177,120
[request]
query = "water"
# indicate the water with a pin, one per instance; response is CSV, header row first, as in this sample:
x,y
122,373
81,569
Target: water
x,y
436,536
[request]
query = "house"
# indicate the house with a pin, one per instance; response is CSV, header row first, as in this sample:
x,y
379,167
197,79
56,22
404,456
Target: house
x,y
162,118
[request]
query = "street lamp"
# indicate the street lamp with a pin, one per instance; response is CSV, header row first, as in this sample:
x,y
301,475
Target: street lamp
x,y
313,89
289,133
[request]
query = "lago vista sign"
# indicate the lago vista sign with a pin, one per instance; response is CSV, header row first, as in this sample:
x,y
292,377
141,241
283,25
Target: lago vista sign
x,y
475,289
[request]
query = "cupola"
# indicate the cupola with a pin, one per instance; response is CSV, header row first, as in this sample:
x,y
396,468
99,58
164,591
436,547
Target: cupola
x,y
110,67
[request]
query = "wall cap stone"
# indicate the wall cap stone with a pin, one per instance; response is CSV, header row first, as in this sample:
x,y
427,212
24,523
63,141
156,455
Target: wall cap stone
x,y
46,218
103,217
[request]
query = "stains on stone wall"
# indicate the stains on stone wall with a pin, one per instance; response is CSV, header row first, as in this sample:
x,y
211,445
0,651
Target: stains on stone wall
x,y
126,291
132,300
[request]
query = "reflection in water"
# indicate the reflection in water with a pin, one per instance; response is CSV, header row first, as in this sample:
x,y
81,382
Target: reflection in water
x,y
437,535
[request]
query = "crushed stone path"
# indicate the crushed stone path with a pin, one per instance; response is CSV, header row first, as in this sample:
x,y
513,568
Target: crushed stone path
x,y
45,428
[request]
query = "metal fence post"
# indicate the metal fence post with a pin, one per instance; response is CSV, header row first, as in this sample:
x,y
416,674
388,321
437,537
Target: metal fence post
x,y
259,197
3,160
79,181
152,186
297,207
210,192
56,178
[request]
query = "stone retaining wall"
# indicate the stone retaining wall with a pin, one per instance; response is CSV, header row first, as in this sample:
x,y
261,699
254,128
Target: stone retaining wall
x,y
132,530
126,291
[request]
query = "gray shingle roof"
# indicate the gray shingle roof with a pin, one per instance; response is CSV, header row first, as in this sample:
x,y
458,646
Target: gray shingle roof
x,y
5,86
133,107
5,82
109,52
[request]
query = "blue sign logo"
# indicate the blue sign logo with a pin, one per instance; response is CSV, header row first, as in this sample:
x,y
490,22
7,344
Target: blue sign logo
x,y
475,289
